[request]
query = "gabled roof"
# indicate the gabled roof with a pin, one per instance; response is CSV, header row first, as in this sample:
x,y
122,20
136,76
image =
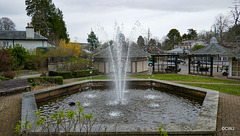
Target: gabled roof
x,y
213,48
19,35
178,50
232,53
135,52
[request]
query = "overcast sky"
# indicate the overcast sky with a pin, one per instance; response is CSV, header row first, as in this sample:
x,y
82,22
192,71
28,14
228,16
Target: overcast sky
x,y
134,16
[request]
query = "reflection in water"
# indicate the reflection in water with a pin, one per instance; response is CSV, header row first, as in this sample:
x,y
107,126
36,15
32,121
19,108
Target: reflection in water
x,y
142,107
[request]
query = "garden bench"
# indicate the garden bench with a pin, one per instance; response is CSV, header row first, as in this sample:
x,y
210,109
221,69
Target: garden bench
x,y
203,68
224,68
13,85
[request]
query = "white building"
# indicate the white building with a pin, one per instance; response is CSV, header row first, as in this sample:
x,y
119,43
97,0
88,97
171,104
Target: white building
x,y
189,44
28,39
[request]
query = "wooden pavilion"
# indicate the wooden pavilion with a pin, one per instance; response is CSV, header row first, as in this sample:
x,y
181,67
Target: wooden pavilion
x,y
201,62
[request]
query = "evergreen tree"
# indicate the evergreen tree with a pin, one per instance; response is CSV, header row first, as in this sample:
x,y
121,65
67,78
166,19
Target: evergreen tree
x,y
141,42
174,36
192,34
93,40
47,19
58,28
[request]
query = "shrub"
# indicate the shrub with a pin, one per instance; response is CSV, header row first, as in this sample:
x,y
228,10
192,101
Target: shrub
x,y
78,73
6,64
64,74
9,74
95,72
70,63
161,132
77,64
18,54
60,123
3,78
46,80
5,60
84,73
30,62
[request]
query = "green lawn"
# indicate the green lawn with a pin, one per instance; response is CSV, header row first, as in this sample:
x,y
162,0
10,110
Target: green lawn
x,y
187,78
229,89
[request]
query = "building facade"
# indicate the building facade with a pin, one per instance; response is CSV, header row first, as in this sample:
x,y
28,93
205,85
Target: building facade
x,y
28,39
189,44
137,61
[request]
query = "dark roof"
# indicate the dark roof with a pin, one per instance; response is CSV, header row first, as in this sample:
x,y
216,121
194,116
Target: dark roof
x,y
19,35
135,52
213,48
84,44
232,53
178,50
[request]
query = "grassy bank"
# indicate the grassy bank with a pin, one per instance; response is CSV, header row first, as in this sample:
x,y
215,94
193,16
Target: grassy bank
x,y
186,78
202,82
229,89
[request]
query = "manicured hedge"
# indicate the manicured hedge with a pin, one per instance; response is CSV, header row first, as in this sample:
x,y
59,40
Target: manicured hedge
x,y
46,80
79,73
75,74
64,74
84,73
95,72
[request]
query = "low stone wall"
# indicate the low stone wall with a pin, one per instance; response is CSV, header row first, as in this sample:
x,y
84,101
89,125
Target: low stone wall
x,y
204,126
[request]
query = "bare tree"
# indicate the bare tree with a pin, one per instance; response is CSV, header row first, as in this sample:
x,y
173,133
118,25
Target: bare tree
x,y
147,39
222,24
207,35
235,11
7,24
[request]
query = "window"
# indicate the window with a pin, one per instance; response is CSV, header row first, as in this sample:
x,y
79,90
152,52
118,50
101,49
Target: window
x,y
236,66
5,44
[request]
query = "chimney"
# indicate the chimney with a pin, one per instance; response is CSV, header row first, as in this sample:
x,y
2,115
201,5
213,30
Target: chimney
x,y
29,31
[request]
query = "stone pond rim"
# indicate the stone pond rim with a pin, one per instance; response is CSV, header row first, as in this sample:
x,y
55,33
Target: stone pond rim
x,y
205,124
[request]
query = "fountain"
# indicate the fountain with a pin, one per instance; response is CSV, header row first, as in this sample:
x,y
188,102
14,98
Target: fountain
x,y
119,64
139,108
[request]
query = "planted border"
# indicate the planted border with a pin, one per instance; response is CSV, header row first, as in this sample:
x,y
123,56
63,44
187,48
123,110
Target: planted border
x,y
46,80
75,74
64,74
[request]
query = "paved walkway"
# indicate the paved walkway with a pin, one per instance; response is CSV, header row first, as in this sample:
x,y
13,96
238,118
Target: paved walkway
x,y
29,76
228,114
10,113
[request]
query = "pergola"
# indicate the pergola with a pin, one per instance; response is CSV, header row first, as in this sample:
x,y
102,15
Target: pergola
x,y
200,61
165,63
